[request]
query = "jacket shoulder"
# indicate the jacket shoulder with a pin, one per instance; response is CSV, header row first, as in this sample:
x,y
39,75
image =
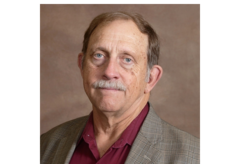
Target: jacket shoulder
x,y
172,133
52,141
64,129
179,145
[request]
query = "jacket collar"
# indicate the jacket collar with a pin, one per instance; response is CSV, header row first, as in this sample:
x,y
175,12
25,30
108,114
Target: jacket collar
x,y
67,144
152,127
147,141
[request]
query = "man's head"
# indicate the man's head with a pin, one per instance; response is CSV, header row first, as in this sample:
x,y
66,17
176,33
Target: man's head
x,y
117,50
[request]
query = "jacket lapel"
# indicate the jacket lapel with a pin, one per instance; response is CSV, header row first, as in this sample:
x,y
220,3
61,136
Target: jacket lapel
x,y
144,148
67,145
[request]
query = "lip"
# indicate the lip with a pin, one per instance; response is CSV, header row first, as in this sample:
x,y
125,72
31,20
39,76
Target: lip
x,y
109,89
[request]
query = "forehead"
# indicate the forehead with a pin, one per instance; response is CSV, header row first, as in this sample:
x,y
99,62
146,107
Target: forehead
x,y
121,34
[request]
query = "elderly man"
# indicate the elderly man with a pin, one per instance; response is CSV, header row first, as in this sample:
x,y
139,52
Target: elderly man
x,y
118,64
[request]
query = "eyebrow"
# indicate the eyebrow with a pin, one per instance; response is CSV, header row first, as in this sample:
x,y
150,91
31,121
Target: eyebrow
x,y
106,51
99,48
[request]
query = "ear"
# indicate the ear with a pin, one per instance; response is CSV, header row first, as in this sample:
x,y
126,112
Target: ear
x,y
155,74
79,62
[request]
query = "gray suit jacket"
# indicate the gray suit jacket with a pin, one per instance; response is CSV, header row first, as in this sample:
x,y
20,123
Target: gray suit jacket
x,y
157,142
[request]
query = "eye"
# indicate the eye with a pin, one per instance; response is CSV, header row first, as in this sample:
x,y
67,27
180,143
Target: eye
x,y
128,60
98,55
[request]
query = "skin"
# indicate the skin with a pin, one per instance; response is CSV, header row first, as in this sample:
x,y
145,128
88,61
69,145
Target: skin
x,y
117,51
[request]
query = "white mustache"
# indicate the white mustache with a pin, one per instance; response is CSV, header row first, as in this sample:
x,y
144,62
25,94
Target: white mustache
x,y
109,84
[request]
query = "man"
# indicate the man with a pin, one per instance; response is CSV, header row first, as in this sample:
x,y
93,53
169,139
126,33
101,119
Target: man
x,y
118,64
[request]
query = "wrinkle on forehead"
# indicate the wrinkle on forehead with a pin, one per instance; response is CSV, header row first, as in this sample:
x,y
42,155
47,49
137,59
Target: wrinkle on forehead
x,y
119,33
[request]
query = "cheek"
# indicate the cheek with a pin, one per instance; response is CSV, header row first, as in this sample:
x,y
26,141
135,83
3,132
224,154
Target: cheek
x,y
88,75
137,78
134,80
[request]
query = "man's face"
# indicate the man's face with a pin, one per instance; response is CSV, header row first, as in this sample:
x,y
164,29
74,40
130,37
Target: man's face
x,y
117,52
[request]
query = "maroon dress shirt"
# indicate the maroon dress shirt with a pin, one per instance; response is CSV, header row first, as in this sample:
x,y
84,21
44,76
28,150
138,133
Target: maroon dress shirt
x,y
86,151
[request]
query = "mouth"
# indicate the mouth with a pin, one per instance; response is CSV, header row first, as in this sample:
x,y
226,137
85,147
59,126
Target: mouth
x,y
109,89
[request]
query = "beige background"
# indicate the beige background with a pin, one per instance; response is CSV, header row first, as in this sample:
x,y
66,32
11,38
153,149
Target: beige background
x,y
176,98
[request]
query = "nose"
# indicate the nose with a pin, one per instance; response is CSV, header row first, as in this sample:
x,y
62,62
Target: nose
x,y
111,70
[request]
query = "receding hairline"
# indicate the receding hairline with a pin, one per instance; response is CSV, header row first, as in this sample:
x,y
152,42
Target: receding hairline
x,y
104,24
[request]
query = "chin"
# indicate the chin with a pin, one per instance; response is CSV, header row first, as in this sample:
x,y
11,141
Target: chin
x,y
107,106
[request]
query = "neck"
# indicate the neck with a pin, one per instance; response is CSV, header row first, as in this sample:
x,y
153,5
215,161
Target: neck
x,y
109,127
115,121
